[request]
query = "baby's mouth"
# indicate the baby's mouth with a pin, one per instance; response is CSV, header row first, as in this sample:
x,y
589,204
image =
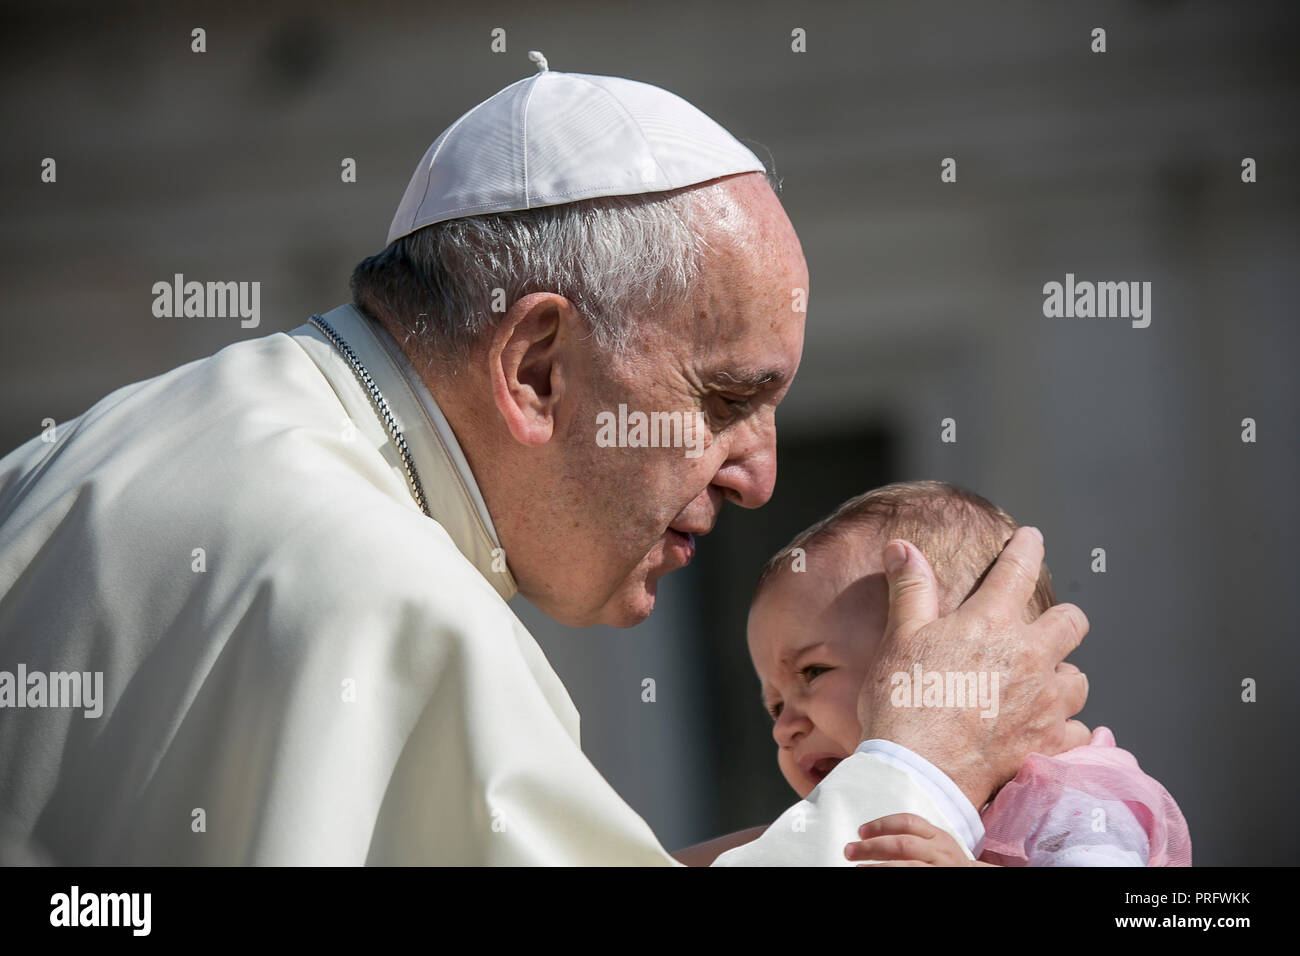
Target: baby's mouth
x,y
820,768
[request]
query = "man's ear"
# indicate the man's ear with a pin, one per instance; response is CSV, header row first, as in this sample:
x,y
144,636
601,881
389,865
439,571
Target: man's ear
x,y
523,365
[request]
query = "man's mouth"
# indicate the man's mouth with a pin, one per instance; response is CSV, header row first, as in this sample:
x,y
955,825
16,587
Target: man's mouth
x,y
683,542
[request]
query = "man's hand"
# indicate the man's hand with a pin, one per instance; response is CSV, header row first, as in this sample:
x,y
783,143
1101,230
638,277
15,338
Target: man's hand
x,y
903,839
1038,692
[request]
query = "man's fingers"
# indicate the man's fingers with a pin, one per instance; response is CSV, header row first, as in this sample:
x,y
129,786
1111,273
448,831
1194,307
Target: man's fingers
x,y
1074,691
1063,626
913,596
1010,582
1077,734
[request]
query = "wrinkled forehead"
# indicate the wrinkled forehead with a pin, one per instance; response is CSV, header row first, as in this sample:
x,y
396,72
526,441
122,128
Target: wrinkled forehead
x,y
751,265
734,329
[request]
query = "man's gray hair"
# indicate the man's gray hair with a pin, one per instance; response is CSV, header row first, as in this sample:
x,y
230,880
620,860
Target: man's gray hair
x,y
618,259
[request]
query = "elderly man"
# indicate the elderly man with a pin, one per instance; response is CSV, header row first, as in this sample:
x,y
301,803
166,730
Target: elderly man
x,y
290,561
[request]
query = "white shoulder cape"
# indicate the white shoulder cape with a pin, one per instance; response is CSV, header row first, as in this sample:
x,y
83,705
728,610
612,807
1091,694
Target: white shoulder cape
x,y
298,666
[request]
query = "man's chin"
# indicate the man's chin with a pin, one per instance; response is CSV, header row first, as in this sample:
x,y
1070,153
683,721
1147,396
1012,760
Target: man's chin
x,y
632,603
626,606
630,607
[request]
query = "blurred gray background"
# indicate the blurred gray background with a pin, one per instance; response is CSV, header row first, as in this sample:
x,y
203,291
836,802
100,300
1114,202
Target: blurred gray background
x,y
926,303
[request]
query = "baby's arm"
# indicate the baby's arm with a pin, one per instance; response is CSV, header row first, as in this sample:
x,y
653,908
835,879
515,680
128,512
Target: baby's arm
x,y
1083,830
1079,830
1090,806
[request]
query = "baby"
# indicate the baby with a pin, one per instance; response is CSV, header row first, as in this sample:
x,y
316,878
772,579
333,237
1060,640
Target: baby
x,y
818,614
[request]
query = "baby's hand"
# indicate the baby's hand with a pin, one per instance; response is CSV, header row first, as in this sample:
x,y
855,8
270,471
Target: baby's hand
x,y
904,839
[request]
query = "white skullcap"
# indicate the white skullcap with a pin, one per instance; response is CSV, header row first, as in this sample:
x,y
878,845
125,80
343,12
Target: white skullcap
x,y
559,137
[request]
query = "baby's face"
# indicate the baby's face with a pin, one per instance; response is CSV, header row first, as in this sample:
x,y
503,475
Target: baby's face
x,y
811,636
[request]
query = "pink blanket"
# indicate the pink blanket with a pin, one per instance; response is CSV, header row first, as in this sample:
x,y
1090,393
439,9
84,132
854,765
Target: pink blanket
x,y
1090,806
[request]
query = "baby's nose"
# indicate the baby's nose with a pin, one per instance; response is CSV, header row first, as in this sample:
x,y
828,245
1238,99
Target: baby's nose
x,y
789,727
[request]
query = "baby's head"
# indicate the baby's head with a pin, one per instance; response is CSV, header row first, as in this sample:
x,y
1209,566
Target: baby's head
x,y
821,603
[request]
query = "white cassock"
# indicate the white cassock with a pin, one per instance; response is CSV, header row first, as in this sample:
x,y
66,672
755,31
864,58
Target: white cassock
x,y
299,666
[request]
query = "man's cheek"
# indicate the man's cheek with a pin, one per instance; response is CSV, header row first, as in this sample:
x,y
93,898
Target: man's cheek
x,y
629,565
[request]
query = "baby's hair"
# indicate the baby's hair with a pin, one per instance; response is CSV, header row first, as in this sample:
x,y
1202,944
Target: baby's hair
x,y
960,533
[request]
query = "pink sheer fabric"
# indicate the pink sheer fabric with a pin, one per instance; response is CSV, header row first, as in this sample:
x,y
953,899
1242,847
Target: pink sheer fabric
x,y
1090,806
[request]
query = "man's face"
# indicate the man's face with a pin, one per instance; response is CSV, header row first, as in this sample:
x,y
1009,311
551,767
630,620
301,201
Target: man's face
x,y
618,519
812,634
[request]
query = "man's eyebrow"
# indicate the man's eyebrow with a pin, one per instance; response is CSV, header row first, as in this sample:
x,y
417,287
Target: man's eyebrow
x,y
748,378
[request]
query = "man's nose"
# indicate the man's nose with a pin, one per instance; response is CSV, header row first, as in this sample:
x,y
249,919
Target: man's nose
x,y
748,476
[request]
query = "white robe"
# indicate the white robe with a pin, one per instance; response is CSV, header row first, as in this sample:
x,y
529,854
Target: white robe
x,y
299,667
